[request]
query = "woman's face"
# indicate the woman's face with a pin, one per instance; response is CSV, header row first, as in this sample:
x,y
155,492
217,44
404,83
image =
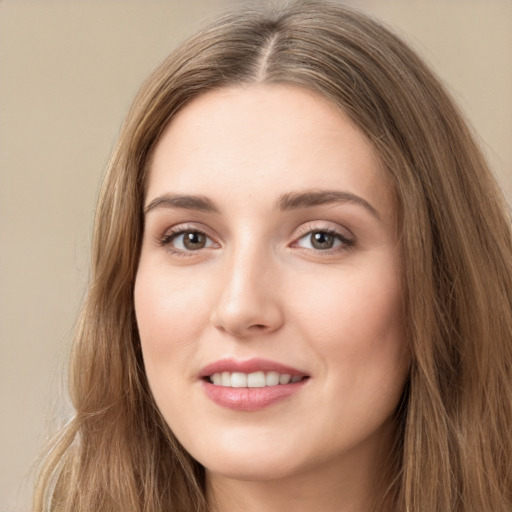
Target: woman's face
x,y
268,294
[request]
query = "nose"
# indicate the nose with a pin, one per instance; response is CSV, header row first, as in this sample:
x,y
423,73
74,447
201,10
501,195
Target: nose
x,y
249,302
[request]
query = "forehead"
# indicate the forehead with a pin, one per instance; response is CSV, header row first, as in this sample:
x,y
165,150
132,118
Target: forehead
x,y
261,141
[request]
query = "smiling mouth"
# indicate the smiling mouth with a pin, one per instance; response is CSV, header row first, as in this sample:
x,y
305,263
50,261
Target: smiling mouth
x,y
258,379
252,384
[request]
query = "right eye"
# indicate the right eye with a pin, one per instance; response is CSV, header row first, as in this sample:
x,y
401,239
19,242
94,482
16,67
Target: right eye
x,y
187,240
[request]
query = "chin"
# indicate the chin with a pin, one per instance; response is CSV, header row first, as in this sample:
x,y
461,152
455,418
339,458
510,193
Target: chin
x,y
250,471
250,461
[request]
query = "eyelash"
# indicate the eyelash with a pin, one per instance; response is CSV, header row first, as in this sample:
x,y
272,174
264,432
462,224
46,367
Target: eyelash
x,y
173,233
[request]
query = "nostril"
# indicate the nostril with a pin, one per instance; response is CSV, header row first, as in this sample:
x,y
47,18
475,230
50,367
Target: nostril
x,y
258,327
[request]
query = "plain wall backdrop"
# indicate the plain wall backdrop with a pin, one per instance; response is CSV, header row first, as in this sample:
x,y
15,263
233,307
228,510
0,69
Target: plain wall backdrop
x,y
68,71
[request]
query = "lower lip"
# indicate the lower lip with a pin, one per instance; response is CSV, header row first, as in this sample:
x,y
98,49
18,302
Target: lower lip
x,y
250,399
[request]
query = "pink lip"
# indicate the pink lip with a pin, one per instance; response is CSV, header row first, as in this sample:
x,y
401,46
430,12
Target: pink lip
x,y
249,399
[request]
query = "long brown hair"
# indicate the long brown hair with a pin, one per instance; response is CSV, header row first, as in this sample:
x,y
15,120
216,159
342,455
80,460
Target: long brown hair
x,y
454,447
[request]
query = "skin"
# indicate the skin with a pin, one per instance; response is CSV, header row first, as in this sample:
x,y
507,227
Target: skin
x,y
259,287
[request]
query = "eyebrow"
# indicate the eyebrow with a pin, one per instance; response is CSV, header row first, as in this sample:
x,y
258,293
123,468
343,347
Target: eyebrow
x,y
289,201
293,201
186,202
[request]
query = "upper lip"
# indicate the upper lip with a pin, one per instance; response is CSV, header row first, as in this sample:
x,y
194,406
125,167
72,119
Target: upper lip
x,y
248,366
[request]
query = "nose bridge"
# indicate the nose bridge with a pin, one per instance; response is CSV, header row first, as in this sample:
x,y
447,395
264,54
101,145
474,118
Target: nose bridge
x,y
248,301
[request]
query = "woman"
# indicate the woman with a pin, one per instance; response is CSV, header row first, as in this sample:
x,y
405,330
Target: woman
x,y
300,288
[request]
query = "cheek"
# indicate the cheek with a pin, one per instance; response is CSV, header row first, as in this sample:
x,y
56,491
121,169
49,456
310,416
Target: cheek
x,y
357,323
170,317
357,332
170,311
170,320
354,307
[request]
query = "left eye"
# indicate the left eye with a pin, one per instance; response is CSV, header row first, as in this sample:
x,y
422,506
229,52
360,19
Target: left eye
x,y
320,240
190,241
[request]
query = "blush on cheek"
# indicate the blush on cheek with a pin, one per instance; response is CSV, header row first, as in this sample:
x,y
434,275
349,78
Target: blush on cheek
x,y
161,312
361,324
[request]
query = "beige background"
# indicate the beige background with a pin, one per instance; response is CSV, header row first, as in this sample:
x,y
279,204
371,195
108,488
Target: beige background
x,y
68,72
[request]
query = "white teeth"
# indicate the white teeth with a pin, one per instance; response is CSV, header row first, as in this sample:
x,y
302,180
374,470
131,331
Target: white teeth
x,y
238,380
252,380
284,378
256,380
272,379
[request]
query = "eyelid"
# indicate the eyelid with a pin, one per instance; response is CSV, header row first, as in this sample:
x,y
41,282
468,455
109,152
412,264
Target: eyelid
x,y
347,239
330,227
